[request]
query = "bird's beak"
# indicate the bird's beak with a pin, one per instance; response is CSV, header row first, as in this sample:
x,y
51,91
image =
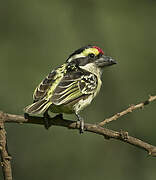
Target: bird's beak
x,y
104,61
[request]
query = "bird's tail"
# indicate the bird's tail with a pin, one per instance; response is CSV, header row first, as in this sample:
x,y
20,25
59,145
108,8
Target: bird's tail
x,y
38,107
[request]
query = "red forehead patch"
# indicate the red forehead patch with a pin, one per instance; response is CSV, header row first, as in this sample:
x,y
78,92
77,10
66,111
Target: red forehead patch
x,y
100,50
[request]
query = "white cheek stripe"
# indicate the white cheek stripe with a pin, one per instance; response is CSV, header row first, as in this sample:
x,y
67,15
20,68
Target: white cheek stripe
x,y
75,57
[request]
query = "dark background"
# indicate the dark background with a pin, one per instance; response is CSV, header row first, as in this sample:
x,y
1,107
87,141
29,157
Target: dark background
x,y
35,37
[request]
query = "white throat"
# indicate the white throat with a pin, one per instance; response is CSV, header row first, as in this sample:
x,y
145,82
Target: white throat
x,y
92,68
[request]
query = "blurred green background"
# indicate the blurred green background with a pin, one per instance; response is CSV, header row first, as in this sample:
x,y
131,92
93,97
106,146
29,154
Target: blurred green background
x,y
35,37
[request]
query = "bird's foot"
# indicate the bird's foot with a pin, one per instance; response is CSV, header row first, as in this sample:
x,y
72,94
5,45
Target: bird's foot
x,y
81,123
46,120
123,134
26,115
81,126
59,116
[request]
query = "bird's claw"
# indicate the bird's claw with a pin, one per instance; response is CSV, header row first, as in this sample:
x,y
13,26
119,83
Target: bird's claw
x,y
81,126
59,116
123,134
46,120
81,123
26,115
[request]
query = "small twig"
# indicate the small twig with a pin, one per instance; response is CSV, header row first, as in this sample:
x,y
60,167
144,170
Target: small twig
x,y
58,121
128,110
5,158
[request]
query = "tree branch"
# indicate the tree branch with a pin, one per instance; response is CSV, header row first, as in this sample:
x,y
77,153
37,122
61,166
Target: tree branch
x,y
5,158
128,110
93,128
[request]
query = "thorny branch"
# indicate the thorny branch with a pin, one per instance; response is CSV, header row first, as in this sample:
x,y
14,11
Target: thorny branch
x,y
59,121
128,110
5,158
94,128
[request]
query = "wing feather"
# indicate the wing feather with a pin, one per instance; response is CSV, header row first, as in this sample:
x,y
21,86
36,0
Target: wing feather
x,y
44,86
74,85
42,94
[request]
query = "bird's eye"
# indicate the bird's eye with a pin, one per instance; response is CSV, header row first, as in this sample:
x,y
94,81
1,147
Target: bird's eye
x,y
91,55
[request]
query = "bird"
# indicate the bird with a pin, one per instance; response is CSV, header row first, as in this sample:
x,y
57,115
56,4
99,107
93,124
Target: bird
x,y
72,86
